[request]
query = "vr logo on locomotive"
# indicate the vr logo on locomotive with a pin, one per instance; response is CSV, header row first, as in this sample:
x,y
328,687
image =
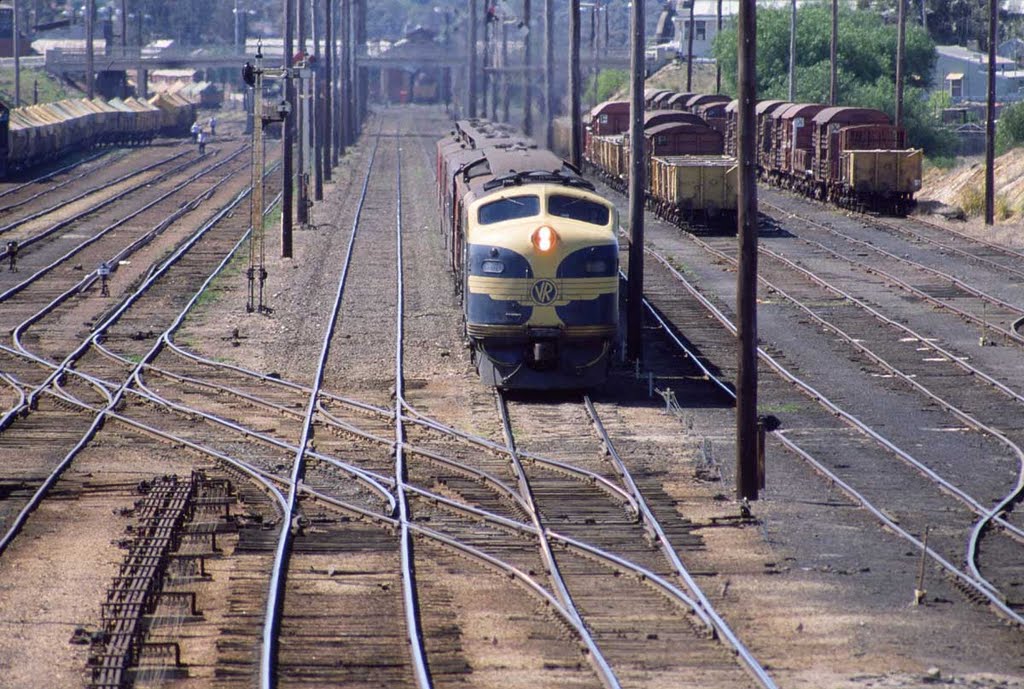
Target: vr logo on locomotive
x,y
544,292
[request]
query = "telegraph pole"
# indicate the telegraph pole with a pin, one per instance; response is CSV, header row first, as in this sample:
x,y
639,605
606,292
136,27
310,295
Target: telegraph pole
x,y
689,50
792,49
549,73
288,138
302,123
485,72
833,84
990,119
635,313
901,39
527,76
90,74
575,124
718,63
492,56
504,73
318,102
345,77
471,62
15,30
746,280
362,78
329,148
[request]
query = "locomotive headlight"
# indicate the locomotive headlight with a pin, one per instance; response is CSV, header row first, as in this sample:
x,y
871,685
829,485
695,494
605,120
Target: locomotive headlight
x,y
597,266
494,267
544,239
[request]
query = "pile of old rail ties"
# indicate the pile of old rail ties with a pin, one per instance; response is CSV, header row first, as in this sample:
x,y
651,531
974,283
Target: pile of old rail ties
x,y
164,517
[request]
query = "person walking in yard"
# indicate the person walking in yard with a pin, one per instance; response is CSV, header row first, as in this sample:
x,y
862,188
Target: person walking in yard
x,y
195,131
213,126
201,139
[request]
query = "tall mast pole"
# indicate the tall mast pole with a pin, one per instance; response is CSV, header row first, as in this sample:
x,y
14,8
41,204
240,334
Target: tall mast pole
x,y
792,51
634,303
901,39
990,119
549,73
746,279
575,124
288,139
527,75
833,83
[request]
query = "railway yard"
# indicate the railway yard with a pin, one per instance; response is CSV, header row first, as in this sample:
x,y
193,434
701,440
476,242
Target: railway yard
x,y
195,495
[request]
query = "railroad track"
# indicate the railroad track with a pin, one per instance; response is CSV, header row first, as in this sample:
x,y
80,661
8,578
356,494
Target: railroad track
x,y
993,315
842,315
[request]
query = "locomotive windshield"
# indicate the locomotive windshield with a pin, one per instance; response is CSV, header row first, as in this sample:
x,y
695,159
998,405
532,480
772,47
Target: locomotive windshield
x,y
577,208
509,208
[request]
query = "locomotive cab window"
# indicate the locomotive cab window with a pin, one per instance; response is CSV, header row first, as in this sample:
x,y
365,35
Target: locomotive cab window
x,y
510,208
577,208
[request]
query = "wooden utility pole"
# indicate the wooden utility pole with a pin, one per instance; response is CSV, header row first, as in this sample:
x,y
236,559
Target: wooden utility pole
x,y
302,124
527,67
90,70
792,51
288,139
746,279
319,74
471,62
549,73
990,119
575,125
505,95
486,71
15,30
330,155
492,50
689,49
345,77
634,304
718,64
833,83
362,77
124,27
901,40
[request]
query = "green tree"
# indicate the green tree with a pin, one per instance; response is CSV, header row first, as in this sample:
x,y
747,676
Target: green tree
x,y
1010,128
865,71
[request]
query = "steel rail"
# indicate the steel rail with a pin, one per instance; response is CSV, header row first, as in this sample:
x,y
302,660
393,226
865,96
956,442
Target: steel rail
x,y
986,515
671,591
414,633
720,626
964,416
51,175
973,504
131,299
91,276
92,209
955,281
1005,250
370,480
275,595
852,493
44,192
604,670
603,483
100,417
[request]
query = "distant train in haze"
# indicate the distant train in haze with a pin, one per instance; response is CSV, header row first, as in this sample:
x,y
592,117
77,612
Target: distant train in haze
x,y
535,255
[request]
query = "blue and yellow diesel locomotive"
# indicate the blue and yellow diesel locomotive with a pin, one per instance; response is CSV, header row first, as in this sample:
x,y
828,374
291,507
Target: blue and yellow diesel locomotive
x,y
535,254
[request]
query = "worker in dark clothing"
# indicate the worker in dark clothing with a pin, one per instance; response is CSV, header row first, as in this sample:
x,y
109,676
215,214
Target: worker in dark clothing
x,y
12,255
213,126
201,138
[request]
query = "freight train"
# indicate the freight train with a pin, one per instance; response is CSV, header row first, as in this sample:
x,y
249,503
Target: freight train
x,y
535,254
37,133
852,157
